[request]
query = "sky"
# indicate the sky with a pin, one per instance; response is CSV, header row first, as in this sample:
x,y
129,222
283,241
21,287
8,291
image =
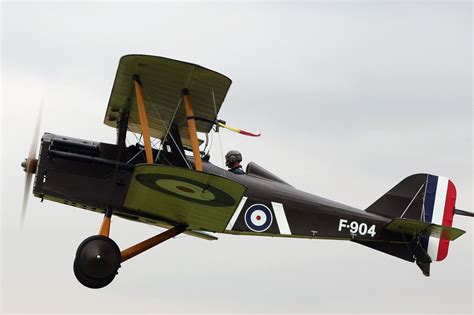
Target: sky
x,y
350,99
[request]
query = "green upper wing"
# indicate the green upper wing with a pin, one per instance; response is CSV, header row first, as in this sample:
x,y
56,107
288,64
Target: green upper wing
x,y
200,200
162,80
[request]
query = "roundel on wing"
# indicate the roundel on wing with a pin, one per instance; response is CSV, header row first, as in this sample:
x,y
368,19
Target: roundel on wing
x,y
258,218
187,189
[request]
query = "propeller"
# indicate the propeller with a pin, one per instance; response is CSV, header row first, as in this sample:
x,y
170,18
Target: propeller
x,y
30,163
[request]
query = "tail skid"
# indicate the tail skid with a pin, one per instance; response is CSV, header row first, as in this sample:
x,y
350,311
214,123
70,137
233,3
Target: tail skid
x,y
405,240
409,250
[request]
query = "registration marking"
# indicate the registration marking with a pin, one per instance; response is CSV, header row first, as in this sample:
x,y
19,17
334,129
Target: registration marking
x,y
355,228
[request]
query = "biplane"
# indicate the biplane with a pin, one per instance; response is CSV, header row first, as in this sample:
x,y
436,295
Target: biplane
x,y
167,180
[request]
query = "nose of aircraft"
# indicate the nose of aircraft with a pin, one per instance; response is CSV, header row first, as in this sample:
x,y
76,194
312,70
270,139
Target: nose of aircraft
x,y
29,165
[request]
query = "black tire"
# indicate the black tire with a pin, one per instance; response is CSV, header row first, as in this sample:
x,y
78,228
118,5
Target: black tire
x,y
90,282
98,257
97,261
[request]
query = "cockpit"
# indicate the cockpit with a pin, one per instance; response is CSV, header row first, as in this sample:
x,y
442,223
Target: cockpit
x,y
253,169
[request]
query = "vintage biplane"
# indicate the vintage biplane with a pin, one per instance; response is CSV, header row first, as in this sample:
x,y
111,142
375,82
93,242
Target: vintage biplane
x,y
167,102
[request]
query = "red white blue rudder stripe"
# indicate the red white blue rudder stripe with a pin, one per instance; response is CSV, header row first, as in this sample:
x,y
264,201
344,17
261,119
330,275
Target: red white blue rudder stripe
x,y
438,208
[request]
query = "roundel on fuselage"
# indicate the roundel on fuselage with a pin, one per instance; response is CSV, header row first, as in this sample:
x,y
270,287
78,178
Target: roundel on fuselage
x,y
258,218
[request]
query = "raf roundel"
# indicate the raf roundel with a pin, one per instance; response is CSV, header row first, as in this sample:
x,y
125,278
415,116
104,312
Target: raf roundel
x,y
258,218
187,189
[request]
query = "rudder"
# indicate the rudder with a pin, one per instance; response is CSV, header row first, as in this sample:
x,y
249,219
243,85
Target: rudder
x,y
424,197
438,206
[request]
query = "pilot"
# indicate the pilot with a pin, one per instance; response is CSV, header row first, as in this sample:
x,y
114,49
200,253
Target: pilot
x,y
232,161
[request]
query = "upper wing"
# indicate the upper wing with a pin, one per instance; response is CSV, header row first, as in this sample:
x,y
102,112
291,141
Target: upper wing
x,y
162,80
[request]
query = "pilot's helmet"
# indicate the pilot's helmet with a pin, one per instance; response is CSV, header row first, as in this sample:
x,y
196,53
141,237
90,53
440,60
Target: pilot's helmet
x,y
232,156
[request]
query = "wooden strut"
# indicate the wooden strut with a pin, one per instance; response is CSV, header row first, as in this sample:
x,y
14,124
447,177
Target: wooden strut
x,y
105,227
143,119
151,242
192,130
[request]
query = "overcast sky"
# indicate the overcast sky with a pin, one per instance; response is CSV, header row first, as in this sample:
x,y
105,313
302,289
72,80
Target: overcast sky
x,y
350,99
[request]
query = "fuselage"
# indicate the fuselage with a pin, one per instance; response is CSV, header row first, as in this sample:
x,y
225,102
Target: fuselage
x,y
306,215
86,174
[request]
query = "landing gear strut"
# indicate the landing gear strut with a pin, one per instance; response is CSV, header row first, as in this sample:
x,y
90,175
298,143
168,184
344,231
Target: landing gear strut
x,y
98,257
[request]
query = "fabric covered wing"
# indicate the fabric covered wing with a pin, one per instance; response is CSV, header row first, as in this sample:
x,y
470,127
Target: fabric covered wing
x,y
162,80
200,200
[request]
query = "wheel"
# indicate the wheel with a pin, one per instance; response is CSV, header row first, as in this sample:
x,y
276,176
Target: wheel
x,y
88,281
98,257
97,261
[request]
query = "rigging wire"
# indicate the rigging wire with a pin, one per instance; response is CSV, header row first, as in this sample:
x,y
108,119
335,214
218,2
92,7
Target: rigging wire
x,y
406,209
133,157
207,143
138,142
171,136
133,133
212,142
168,128
219,134
154,143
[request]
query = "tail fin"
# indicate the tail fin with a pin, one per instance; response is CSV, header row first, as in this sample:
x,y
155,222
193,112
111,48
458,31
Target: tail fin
x,y
422,207
440,199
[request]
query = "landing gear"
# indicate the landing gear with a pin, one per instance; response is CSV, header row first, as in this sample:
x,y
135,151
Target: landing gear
x,y
97,261
98,257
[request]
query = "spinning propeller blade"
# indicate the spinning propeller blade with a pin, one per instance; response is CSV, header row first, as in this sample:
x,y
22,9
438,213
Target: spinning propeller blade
x,y
26,194
29,165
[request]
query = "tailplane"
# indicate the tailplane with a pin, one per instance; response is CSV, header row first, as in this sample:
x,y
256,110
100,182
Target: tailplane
x,y
422,207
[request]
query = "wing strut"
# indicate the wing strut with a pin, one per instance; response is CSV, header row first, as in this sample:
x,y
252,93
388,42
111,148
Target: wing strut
x,y
143,118
192,130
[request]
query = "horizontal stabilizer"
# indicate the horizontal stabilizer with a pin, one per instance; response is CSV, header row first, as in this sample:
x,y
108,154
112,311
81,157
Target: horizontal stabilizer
x,y
414,227
462,212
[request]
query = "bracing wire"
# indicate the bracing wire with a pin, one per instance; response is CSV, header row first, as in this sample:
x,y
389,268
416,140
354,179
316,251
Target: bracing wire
x,y
406,209
138,142
168,128
212,142
171,136
207,143
218,134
